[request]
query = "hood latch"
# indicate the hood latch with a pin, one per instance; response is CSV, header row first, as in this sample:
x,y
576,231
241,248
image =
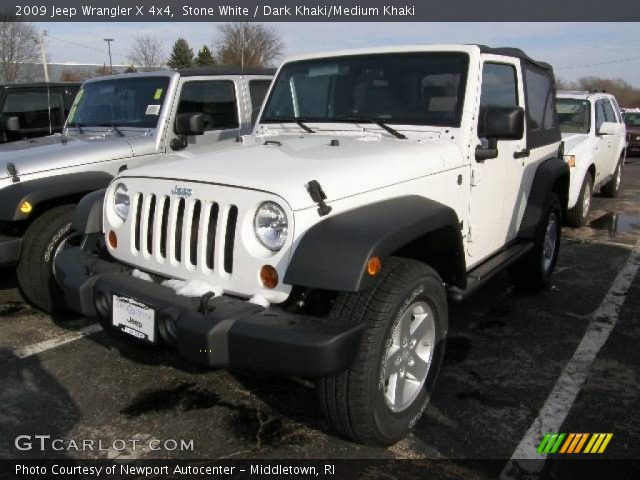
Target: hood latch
x,y
12,171
318,196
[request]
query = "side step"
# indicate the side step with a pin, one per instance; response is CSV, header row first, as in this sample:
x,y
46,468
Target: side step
x,y
477,277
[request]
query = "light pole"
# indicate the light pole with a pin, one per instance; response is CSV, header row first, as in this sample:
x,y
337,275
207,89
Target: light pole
x,y
109,40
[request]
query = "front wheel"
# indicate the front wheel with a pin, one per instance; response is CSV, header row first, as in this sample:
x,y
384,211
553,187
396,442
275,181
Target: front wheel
x,y
534,271
45,238
380,398
612,188
577,216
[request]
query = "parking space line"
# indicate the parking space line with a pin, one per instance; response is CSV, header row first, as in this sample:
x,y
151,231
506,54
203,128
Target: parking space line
x,y
559,402
45,345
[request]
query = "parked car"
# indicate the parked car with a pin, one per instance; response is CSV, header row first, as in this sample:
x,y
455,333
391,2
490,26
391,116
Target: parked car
x,y
632,122
377,183
30,110
116,122
594,145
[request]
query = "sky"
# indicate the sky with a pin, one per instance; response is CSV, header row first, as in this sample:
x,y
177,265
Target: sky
x,y
567,46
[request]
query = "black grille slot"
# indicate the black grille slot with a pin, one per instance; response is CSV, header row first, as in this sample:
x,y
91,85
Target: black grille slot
x,y
229,239
138,222
164,212
211,236
178,233
195,225
150,223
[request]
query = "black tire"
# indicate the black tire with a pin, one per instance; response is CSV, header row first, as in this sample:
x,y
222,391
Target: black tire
x,y
577,216
612,188
35,270
532,273
353,401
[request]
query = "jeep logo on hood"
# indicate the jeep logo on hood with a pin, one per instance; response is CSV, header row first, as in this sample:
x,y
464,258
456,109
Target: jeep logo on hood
x,y
181,192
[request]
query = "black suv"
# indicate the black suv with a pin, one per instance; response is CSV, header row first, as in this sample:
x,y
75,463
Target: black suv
x,y
30,110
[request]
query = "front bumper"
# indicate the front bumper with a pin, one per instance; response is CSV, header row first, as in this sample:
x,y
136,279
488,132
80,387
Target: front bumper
x,y
10,248
232,333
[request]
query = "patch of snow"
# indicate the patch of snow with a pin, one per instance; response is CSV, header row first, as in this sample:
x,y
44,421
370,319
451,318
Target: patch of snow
x,y
141,275
192,288
258,299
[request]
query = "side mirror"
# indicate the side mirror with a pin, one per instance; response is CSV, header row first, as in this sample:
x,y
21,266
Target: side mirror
x,y
190,124
503,123
499,123
10,124
608,128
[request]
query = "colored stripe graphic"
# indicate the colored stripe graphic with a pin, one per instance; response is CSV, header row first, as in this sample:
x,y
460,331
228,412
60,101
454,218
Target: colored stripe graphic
x,y
573,443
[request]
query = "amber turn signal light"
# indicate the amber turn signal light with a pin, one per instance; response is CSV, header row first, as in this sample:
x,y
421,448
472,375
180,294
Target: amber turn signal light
x,y
25,207
269,276
112,238
374,265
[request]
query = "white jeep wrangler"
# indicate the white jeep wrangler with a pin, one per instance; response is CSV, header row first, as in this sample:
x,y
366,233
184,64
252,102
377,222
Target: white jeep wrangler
x,y
376,183
594,136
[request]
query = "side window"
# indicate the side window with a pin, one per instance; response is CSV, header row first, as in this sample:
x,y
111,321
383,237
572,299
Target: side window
x,y
257,91
600,115
499,89
32,109
541,111
215,99
609,116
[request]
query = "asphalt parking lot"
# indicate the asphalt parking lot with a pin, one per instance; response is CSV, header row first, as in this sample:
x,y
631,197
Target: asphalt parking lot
x,y
506,352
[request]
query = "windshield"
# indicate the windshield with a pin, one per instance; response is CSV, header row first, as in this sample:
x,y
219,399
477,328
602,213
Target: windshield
x,y
396,88
574,115
632,119
124,102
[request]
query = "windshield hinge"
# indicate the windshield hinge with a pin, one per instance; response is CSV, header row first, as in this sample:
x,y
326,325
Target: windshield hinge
x,y
318,196
475,177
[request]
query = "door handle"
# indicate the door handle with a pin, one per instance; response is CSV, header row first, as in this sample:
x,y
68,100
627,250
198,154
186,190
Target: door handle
x,y
522,153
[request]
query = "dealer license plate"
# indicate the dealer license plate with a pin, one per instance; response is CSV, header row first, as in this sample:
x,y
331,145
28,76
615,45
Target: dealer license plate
x,y
134,318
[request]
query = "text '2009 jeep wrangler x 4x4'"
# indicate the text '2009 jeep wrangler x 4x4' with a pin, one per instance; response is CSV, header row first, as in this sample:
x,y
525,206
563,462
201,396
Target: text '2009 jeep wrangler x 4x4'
x,y
116,122
375,183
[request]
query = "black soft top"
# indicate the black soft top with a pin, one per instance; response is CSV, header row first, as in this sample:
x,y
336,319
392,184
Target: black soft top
x,y
225,70
514,52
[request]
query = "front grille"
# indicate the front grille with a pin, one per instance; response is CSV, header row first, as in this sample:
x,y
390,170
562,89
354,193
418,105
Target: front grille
x,y
184,231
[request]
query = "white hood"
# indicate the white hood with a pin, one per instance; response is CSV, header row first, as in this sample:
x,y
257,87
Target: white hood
x,y
358,164
572,140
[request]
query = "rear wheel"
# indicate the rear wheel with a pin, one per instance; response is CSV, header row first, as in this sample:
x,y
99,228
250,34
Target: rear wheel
x,y
612,188
534,271
577,216
45,238
383,394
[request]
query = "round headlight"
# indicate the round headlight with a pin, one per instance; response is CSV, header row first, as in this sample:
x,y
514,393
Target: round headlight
x,y
271,225
121,201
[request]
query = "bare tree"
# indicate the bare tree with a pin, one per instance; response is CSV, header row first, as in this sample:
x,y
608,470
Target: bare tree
x,y
147,53
18,48
248,44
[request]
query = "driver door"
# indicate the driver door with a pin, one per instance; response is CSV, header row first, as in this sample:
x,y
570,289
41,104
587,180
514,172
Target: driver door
x,y
491,179
218,100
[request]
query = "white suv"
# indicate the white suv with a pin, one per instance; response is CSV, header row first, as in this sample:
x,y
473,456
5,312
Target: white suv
x,y
376,184
594,136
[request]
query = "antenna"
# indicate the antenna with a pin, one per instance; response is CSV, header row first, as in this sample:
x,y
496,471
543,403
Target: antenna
x,y
40,41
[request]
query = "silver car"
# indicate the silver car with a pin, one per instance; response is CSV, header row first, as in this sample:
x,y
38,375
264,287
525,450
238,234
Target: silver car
x,y
115,123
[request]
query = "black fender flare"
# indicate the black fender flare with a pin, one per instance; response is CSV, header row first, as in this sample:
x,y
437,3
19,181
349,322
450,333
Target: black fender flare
x,y
333,254
552,175
50,188
87,218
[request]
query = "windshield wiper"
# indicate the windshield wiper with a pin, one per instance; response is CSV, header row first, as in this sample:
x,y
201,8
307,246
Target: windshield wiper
x,y
377,121
297,120
113,126
76,125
